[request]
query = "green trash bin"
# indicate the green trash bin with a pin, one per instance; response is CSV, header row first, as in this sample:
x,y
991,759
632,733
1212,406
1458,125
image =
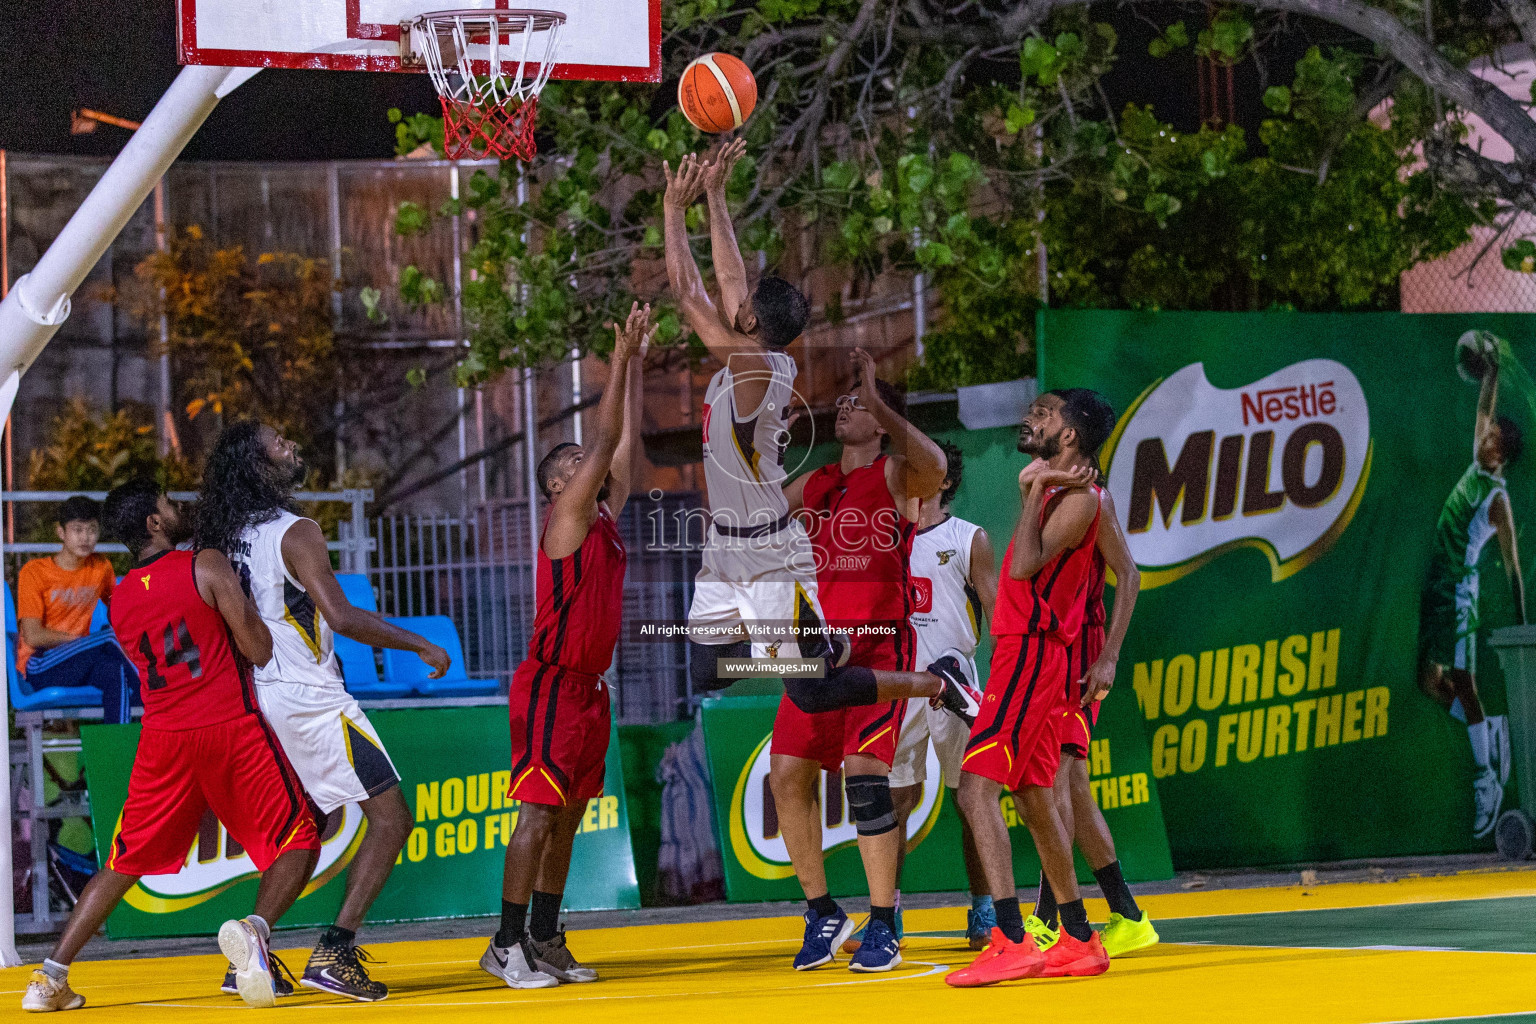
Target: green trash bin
x,y
1515,835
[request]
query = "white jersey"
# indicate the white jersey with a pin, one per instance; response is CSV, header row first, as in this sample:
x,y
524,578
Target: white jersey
x,y
948,611
302,645
744,448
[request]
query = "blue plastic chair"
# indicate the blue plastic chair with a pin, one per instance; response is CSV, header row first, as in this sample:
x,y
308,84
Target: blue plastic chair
x,y
359,670
406,667
99,618
23,696
358,590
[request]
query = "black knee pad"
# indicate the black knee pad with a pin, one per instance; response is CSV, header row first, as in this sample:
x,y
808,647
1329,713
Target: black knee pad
x,y
869,804
851,686
704,659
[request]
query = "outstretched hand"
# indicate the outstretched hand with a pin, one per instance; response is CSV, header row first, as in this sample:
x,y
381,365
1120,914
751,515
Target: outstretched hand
x,y
869,395
634,337
686,184
722,164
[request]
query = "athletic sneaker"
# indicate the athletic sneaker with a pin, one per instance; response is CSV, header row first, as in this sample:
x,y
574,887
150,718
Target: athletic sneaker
x,y
1122,935
979,922
339,970
1043,934
1068,957
856,940
1002,960
959,696
1488,797
880,950
513,965
555,959
281,984
246,950
822,937
44,995
1498,746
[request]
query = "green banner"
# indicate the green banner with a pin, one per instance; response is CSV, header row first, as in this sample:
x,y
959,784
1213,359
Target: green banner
x,y
455,768
738,731
1321,515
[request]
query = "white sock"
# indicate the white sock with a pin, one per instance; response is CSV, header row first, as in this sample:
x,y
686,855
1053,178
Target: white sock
x,y
262,928
1478,734
56,970
1457,711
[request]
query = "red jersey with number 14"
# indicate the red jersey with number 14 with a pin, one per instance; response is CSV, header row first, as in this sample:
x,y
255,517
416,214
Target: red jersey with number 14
x,y
190,675
1052,602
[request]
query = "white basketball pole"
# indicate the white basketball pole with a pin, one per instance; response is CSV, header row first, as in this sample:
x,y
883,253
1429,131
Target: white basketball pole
x,y
38,304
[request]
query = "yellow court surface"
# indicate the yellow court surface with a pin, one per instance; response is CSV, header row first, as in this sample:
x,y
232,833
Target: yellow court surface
x,y
1427,949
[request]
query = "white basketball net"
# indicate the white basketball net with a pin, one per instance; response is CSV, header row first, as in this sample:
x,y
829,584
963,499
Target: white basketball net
x,y
488,67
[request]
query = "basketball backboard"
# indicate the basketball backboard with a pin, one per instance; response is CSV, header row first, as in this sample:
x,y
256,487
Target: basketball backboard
x,y
607,40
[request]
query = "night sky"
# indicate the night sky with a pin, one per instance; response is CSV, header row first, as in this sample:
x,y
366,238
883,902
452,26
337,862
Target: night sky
x,y
63,55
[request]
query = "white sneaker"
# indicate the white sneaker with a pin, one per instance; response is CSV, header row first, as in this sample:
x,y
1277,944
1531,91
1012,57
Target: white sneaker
x,y
511,964
1498,746
247,953
44,995
554,959
1488,797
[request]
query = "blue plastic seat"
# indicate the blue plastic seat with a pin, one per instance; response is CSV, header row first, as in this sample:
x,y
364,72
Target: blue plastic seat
x,y
23,696
99,618
405,666
358,590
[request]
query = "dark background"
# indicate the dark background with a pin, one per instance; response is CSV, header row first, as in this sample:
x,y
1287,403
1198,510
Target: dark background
x,y
119,58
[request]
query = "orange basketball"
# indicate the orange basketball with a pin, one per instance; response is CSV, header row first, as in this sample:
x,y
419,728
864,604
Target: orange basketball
x,y
717,93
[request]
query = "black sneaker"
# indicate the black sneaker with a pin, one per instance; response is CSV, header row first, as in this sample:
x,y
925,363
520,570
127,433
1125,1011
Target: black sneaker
x,y
339,970
282,982
959,696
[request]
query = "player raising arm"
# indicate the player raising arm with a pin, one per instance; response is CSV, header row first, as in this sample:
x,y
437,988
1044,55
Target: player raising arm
x,y
558,702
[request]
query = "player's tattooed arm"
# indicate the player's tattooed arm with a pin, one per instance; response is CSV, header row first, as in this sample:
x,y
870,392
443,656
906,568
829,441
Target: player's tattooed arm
x,y
730,271
307,560
1034,545
220,589
917,466
720,337
574,511
623,472
1503,520
984,575
1117,556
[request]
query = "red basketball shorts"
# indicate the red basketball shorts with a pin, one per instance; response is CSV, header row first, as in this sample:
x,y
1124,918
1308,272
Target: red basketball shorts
x,y
1015,740
872,730
234,768
560,724
1077,722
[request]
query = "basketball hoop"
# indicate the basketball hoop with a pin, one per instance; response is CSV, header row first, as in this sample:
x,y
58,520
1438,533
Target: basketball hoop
x,y
489,67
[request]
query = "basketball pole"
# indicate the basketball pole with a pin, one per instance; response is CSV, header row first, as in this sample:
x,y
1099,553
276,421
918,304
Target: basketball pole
x,y
38,304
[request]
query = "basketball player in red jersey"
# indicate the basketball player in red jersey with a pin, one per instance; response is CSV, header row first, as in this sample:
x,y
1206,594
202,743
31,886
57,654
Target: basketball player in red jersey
x,y
192,633
862,513
559,700
1015,744
1091,665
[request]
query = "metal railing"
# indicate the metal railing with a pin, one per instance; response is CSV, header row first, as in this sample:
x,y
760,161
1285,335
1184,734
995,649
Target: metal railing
x,y
353,541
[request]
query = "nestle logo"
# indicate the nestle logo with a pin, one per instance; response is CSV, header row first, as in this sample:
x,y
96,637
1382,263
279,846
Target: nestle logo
x,y
1271,405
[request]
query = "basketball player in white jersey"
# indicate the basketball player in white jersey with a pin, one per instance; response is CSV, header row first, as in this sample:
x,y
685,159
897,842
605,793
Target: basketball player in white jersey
x,y
282,559
954,579
757,564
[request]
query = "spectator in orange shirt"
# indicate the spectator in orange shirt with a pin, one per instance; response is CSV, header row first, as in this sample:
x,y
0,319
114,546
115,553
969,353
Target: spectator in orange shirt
x,y
55,599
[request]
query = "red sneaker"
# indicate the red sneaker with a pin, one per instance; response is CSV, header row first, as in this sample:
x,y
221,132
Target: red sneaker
x,y
1070,957
1001,961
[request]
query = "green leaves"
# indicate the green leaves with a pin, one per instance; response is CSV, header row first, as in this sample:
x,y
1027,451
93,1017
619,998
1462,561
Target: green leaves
x,y
411,219
1520,257
1229,34
1174,37
1018,118
417,289
370,298
1278,99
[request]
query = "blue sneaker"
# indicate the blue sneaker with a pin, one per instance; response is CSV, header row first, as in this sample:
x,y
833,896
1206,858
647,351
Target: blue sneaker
x,y
880,951
979,922
822,937
856,940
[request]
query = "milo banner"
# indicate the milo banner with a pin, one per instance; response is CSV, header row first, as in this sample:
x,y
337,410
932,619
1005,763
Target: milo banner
x,y
1327,511
738,730
455,768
